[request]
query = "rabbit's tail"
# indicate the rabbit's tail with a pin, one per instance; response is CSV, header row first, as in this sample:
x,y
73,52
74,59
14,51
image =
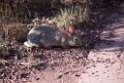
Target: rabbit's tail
x,y
29,44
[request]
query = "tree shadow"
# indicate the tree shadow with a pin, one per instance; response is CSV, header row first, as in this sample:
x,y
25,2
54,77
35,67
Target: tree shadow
x,y
112,34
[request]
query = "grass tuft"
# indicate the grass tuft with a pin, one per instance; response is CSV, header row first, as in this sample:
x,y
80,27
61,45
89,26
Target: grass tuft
x,y
75,13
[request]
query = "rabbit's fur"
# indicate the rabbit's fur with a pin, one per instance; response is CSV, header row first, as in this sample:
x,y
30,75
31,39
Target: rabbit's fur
x,y
45,36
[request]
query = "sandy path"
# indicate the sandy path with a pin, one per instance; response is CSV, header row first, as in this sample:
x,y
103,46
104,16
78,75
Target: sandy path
x,y
107,60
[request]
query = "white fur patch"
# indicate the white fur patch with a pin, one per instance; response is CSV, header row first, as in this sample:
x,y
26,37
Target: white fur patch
x,y
28,44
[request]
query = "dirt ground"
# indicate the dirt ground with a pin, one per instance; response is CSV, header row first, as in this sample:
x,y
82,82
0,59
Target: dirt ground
x,y
103,64
107,59
49,66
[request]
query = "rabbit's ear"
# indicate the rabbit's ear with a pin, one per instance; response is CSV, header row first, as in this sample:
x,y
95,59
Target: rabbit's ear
x,y
70,28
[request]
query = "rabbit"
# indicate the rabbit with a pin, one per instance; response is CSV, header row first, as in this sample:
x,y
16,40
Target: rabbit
x,y
47,37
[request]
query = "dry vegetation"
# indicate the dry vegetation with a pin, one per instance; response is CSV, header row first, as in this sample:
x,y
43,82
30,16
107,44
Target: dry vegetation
x,y
15,15
21,13
18,16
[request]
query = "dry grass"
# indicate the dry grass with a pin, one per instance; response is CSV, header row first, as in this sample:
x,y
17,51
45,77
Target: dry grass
x,y
15,14
13,19
78,14
20,13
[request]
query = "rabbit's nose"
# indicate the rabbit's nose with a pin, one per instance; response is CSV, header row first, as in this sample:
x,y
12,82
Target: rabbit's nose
x,y
75,39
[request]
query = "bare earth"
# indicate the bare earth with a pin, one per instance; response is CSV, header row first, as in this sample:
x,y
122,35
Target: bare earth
x,y
107,59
